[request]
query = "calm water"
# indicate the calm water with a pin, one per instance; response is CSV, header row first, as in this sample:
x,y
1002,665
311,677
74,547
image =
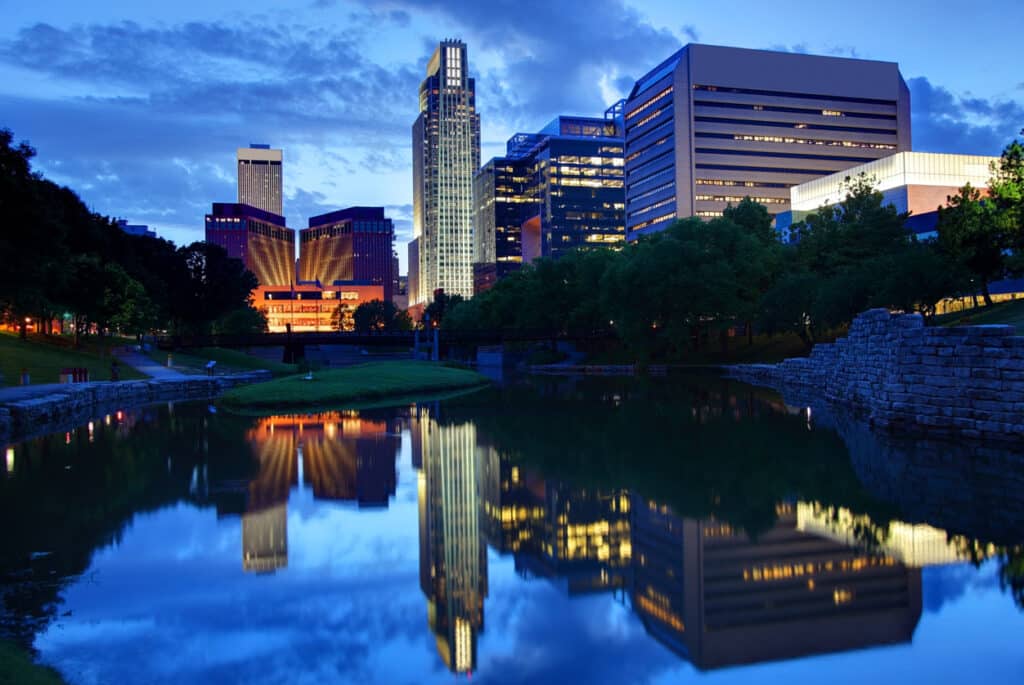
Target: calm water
x,y
600,530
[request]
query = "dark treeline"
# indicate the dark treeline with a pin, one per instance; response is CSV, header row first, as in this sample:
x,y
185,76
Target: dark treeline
x,y
685,287
64,263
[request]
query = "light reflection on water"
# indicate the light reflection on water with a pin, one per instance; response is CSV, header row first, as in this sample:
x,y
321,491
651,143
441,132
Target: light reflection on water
x,y
409,545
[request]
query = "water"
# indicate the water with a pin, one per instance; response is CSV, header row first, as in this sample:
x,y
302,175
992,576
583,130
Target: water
x,y
597,530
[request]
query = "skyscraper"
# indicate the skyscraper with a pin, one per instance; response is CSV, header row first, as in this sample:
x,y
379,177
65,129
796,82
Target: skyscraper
x,y
259,178
711,125
446,154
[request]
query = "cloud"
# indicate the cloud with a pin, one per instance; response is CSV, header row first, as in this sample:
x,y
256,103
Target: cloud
x,y
945,122
800,48
690,31
552,60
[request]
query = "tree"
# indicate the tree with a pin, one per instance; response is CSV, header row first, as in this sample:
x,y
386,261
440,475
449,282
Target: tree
x,y
973,234
242,321
213,285
436,310
1006,189
379,316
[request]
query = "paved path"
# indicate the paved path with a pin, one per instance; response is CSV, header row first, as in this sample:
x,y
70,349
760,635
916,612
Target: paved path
x,y
144,364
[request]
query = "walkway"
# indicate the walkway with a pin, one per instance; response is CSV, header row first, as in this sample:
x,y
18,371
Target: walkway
x,y
143,364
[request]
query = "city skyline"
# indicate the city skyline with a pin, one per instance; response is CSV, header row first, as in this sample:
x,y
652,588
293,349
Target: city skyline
x,y
105,100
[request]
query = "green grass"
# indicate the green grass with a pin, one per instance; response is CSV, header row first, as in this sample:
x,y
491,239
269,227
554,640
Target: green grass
x,y
228,361
355,384
44,357
1011,313
17,667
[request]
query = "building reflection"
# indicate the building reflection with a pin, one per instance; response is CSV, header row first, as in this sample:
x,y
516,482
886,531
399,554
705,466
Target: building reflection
x,y
453,556
340,456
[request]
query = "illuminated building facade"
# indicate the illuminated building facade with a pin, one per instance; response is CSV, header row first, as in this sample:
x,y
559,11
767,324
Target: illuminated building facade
x,y
260,181
308,307
453,554
721,598
446,153
354,244
915,182
258,238
711,125
553,192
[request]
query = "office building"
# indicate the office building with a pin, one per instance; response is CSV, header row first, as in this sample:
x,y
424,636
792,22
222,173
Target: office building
x,y
260,182
349,245
915,182
446,153
312,307
553,192
413,278
136,229
711,125
260,239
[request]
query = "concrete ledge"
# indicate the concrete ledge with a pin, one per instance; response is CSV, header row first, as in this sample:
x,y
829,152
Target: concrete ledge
x,y
74,404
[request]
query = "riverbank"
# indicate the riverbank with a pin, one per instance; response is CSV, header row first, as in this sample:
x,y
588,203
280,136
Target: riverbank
x,y
962,382
43,357
35,410
370,382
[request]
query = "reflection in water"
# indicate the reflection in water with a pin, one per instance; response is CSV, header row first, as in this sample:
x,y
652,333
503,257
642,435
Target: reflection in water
x,y
339,455
453,556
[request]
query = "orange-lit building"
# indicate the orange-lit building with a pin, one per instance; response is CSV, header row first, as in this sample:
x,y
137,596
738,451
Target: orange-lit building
x,y
260,239
308,307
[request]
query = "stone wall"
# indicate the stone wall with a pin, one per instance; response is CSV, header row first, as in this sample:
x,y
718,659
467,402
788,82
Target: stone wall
x,y
962,382
75,403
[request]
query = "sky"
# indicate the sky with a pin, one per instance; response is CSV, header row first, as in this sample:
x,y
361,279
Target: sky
x,y
139,107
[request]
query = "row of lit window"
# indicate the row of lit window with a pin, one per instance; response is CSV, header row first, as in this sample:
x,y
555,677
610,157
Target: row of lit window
x,y
793,110
649,103
656,205
652,145
588,171
657,163
655,220
590,160
708,214
652,191
802,141
587,182
737,198
646,120
785,571
748,184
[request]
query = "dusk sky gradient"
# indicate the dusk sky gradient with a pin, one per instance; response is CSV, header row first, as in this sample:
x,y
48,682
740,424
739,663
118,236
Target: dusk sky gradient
x,y
140,108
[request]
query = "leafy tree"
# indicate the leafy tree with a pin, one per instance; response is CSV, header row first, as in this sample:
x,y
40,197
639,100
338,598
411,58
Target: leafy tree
x,y
379,316
214,285
436,310
242,321
1006,188
973,234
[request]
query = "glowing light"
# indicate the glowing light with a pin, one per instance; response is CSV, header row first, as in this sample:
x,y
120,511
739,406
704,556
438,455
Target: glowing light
x,y
10,460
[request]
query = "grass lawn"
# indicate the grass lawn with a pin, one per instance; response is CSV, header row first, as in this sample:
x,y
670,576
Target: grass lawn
x,y
228,361
362,383
17,667
1011,313
44,357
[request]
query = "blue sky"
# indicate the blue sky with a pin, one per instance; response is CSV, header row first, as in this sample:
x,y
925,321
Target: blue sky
x,y
140,107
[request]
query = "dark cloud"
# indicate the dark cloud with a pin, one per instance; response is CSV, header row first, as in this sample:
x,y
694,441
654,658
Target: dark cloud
x,y
844,51
690,31
944,122
554,59
800,48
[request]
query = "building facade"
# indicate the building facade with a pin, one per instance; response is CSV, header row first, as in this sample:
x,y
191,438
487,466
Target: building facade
x,y
260,181
260,239
711,125
914,182
553,192
313,308
446,153
140,230
354,244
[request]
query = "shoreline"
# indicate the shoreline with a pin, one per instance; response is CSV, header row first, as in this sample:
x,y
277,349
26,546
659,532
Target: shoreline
x,y
62,407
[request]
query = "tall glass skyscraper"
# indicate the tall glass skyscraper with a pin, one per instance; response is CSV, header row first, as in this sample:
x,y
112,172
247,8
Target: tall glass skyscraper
x,y
446,154
260,182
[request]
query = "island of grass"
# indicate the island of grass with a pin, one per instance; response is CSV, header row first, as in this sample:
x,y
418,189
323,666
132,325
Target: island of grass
x,y
17,667
365,383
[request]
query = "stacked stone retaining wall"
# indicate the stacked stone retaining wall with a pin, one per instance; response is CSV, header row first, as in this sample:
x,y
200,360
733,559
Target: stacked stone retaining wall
x,y
75,403
965,381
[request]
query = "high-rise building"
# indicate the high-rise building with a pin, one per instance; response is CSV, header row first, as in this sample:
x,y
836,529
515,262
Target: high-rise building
x,y
553,192
413,281
446,153
260,239
350,245
711,125
260,182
